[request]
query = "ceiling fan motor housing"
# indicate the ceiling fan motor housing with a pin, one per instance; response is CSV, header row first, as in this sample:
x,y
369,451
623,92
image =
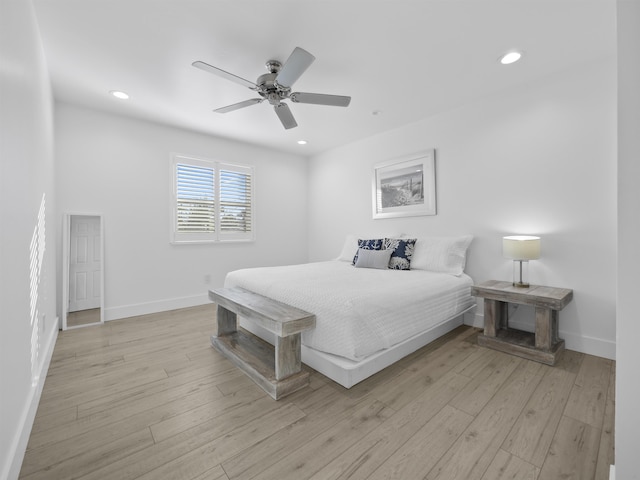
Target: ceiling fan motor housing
x,y
270,89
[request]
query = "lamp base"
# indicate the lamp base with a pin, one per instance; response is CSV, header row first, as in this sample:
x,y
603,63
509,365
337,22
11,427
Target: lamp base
x,y
521,273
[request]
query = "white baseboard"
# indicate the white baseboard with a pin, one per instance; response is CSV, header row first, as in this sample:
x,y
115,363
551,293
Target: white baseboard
x,y
579,343
125,311
590,345
474,320
612,472
18,446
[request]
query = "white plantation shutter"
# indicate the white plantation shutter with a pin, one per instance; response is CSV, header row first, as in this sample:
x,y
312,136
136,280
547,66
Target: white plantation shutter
x,y
235,200
212,201
195,201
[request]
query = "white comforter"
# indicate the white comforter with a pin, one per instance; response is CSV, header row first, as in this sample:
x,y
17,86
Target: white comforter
x,y
360,311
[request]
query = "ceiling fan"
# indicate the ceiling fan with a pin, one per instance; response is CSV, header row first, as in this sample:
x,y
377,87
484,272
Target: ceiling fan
x,y
275,86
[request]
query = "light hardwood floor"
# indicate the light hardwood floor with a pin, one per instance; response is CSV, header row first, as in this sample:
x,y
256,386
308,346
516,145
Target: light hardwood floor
x,y
149,398
83,317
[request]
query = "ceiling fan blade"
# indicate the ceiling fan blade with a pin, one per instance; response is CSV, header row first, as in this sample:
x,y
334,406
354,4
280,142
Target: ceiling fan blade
x,y
320,99
285,115
239,105
221,73
296,64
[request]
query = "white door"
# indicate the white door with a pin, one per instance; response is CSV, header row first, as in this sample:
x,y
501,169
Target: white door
x,y
84,263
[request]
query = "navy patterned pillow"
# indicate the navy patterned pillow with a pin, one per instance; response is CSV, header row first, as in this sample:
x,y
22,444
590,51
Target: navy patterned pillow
x,y
402,252
374,244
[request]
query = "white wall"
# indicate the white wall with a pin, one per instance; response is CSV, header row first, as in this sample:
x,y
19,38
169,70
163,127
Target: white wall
x,y
628,326
27,306
539,159
119,167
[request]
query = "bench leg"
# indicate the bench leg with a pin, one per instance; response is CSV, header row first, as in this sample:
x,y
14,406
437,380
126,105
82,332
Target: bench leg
x,y
227,322
546,328
287,356
495,316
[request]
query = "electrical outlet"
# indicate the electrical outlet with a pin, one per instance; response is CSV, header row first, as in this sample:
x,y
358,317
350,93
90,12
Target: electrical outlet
x,y
207,278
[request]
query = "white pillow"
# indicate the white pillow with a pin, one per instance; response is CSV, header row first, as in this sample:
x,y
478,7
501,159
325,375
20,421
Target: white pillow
x,y
349,249
441,254
373,258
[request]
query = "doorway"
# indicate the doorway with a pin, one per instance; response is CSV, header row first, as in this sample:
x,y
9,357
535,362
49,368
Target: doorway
x,y
83,279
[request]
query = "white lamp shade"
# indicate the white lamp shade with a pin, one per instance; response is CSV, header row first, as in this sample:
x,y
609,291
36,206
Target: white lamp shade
x,y
521,247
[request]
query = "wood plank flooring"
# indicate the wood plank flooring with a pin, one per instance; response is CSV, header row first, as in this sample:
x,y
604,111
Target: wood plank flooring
x,y
149,398
83,317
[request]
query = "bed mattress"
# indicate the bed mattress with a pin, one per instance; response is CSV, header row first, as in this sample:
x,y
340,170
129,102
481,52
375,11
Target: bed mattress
x,y
360,311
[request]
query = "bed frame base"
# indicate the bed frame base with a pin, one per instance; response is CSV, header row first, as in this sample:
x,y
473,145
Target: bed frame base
x,y
348,372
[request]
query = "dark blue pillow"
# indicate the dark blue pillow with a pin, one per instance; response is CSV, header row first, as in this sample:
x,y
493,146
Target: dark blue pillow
x,y
402,252
374,244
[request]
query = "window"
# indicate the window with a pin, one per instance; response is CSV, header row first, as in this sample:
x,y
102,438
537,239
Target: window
x,y
212,201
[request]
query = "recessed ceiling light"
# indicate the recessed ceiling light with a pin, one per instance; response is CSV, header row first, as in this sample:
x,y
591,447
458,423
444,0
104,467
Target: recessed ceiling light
x,y
302,142
510,57
120,95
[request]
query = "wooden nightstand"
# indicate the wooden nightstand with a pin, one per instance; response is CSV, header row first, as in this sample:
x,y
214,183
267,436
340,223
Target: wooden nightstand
x,y
544,345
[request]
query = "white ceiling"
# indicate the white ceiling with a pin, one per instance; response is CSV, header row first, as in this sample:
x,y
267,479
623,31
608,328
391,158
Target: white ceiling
x,y
408,59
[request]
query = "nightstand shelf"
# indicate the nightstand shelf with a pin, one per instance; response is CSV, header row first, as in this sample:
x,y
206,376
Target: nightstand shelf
x,y
545,344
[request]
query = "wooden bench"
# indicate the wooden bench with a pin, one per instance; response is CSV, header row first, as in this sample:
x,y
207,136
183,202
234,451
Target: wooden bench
x,y
277,370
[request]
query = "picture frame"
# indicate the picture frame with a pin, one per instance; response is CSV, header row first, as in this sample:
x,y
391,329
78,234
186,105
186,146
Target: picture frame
x,y
405,187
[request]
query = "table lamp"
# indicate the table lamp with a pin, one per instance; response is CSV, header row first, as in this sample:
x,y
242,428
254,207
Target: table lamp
x,y
521,249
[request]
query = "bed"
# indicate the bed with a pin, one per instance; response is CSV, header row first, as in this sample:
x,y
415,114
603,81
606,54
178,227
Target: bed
x,y
368,318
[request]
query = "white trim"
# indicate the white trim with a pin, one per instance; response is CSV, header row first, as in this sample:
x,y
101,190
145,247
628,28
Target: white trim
x,y
134,310
66,238
579,343
476,320
612,472
469,316
218,235
589,345
18,446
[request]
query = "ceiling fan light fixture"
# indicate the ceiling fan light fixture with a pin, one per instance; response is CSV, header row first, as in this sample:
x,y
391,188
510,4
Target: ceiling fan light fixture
x,y
510,57
119,94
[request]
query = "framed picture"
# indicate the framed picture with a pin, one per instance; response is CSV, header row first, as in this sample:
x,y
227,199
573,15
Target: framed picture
x,y
405,187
